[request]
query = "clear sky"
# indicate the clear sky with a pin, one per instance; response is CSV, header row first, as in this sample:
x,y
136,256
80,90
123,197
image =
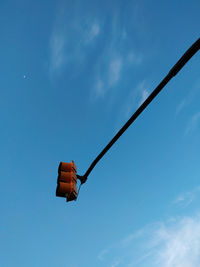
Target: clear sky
x,y
72,72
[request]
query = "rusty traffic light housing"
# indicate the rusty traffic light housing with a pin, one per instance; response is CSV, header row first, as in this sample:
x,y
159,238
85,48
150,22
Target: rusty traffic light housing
x,y
67,181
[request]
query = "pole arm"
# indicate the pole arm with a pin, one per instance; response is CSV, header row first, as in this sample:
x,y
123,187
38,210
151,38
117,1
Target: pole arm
x,y
175,69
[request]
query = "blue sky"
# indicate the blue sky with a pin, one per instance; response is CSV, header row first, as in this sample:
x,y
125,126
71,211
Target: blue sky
x,y
72,72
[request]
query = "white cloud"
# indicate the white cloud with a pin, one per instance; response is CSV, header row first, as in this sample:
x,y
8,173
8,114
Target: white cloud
x,y
115,263
111,75
57,43
192,124
128,239
99,88
182,105
185,199
174,242
108,79
110,66
178,245
92,32
134,59
74,44
115,71
136,97
70,40
144,96
188,99
103,253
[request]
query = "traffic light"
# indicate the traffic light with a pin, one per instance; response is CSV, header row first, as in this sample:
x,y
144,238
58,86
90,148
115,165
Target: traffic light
x,y
67,181
67,176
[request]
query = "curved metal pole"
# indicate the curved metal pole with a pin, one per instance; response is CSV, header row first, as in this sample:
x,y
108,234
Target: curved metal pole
x,y
176,68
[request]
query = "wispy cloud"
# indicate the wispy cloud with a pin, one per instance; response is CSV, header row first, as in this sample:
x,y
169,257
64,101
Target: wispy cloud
x,y
108,78
115,263
117,57
177,244
128,239
98,89
144,96
173,242
181,105
103,253
136,97
186,198
192,124
57,44
93,32
134,58
82,41
186,101
115,67
112,72
71,39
